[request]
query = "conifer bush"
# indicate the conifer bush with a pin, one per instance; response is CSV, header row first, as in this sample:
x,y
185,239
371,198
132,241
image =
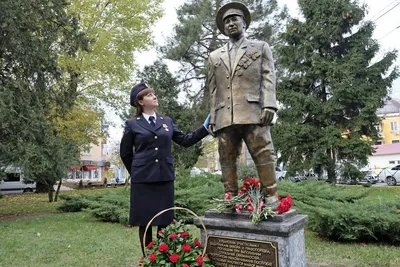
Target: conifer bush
x,y
339,213
195,193
345,214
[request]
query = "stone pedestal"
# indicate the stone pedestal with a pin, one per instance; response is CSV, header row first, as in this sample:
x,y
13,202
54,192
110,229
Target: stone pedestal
x,y
234,241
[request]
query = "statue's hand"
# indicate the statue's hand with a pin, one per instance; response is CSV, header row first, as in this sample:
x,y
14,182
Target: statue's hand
x,y
210,130
267,115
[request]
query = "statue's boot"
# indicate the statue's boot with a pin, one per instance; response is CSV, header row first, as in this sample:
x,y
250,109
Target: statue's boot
x,y
266,173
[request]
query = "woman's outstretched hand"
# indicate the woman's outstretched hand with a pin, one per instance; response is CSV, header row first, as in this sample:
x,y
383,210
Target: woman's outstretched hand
x,y
207,121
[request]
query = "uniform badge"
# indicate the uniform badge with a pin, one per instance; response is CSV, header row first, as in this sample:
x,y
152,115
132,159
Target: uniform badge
x,y
165,127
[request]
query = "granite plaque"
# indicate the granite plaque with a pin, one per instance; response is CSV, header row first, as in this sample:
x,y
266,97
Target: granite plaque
x,y
234,252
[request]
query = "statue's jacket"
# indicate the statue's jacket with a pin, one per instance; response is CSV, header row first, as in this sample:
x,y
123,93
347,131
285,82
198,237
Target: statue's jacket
x,y
239,94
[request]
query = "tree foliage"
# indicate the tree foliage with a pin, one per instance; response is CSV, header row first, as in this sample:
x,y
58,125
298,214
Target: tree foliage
x,y
116,29
331,87
59,62
33,34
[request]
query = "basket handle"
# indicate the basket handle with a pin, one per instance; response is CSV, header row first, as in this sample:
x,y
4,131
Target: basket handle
x,y
177,208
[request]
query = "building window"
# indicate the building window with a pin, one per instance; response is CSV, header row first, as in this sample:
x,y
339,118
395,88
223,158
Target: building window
x,y
395,141
393,126
398,162
86,151
392,162
379,142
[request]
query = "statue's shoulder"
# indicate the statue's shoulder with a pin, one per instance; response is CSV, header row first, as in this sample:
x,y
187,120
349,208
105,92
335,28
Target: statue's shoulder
x,y
218,51
256,43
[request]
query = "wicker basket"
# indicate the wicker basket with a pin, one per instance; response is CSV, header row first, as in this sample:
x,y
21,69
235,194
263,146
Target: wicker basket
x,y
178,208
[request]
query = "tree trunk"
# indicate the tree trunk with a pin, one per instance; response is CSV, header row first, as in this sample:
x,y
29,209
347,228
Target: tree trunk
x,y
50,193
41,187
58,190
331,167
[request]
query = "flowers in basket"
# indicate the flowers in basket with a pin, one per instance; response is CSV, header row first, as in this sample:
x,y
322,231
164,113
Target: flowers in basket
x,y
251,200
175,247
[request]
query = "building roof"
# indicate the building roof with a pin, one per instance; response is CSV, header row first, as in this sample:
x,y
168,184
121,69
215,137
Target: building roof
x,y
391,106
387,149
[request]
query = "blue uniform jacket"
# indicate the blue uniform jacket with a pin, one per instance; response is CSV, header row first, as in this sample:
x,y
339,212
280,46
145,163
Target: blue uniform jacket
x,y
151,160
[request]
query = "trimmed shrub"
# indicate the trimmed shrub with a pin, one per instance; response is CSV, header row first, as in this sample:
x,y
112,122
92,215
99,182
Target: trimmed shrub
x,y
73,203
339,213
247,171
196,193
345,214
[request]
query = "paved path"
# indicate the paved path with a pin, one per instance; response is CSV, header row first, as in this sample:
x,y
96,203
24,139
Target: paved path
x,y
63,188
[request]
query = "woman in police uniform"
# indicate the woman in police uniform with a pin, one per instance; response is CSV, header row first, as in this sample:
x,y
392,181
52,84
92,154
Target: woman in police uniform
x,y
146,153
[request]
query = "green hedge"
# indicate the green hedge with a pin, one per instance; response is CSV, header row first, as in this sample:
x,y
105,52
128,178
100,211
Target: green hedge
x,y
345,213
194,193
337,212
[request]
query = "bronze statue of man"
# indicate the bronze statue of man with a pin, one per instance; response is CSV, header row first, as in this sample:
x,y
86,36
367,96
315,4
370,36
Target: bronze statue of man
x,y
243,101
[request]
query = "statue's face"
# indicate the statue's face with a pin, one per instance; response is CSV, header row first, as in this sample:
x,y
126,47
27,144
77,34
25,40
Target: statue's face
x,y
234,26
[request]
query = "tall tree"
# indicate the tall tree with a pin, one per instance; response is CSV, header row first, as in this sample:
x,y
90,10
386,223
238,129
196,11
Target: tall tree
x,y
196,36
332,87
57,59
33,34
116,29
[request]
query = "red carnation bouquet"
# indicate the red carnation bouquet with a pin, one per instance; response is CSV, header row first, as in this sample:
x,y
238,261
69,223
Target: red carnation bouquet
x,y
251,200
175,247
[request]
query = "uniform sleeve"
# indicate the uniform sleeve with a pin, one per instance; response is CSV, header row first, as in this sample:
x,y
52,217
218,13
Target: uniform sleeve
x,y
126,147
189,139
268,93
212,87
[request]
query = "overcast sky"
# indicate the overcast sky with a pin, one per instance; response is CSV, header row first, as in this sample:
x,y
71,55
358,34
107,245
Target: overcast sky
x,y
385,32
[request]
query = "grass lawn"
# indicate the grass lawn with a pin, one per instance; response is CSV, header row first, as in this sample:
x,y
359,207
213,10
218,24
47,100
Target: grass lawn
x,y
76,239
31,204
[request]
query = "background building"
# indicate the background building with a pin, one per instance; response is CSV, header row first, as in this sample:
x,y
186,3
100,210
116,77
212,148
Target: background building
x,y
93,164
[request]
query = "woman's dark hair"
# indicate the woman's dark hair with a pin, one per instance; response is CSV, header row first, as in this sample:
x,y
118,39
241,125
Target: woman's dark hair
x,y
140,96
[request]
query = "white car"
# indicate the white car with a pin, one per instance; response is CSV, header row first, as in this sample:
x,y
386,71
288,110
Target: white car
x,y
195,171
14,182
280,174
390,175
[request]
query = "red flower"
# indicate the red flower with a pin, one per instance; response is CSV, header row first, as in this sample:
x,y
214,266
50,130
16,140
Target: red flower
x,y
197,242
250,208
238,207
228,196
185,265
186,248
199,260
249,199
285,204
206,256
289,200
152,257
184,234
160,233
150,245
172,222
163,248
174,258
172,236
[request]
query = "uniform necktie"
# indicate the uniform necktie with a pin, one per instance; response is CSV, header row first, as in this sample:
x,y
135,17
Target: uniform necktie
x,y
152,121
232,55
